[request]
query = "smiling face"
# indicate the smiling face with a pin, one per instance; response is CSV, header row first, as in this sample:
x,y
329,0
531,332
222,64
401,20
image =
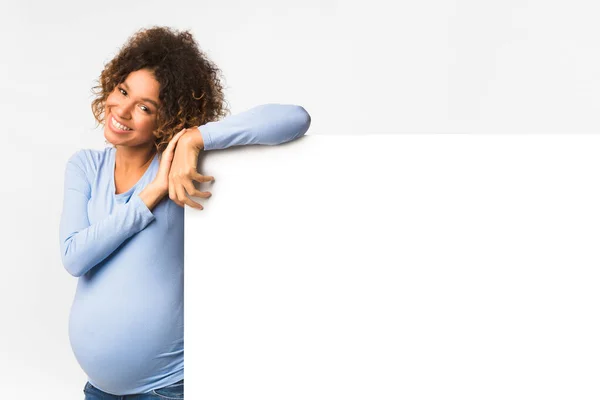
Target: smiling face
x,y
134,105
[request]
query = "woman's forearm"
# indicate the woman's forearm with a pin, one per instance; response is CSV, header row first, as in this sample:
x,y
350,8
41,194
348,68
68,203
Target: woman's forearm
x,y
152,195
195,138
267,124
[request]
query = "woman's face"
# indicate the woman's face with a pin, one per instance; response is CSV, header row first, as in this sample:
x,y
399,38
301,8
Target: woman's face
x,y
134,104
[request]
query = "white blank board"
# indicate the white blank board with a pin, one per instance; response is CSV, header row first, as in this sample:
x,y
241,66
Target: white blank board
x,y
421,266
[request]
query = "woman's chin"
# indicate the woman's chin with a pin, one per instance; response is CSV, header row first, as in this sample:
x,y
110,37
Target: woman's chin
x,y
109,136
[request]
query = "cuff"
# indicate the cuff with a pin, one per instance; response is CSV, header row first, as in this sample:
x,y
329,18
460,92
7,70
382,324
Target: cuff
x,y
204,131
142,209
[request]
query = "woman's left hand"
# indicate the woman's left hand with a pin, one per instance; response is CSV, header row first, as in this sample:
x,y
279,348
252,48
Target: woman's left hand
x,y
184,170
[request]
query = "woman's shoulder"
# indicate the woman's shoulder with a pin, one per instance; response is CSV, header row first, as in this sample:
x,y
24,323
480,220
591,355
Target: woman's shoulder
x,y
89,160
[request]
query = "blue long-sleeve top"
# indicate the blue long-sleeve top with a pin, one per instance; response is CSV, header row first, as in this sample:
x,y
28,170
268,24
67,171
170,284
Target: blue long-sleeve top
x,y
126,320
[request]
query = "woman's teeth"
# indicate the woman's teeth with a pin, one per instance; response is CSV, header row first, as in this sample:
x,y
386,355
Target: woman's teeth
x,y
119,126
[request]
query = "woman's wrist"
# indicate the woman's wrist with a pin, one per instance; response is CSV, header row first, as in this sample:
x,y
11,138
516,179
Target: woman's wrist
x,y
153,194
193,137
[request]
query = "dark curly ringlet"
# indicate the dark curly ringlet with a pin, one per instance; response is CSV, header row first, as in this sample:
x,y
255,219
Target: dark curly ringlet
x,y
191,92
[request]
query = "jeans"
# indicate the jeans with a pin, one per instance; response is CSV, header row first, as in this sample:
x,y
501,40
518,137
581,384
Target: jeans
x,y
170,392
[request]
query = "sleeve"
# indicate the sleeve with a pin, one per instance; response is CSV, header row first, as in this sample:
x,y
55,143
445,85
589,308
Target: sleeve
x,y
268,124
82,245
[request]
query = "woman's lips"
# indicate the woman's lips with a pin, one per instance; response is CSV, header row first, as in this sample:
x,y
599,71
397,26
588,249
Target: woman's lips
x,y
114,128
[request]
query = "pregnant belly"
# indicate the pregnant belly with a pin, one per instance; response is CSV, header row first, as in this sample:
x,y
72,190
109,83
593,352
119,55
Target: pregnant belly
x,y
127,339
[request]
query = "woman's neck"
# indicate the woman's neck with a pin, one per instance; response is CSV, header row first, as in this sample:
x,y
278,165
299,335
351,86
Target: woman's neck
x,y
129,159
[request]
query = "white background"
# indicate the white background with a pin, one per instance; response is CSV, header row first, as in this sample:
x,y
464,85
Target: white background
x,y
413,267
358,68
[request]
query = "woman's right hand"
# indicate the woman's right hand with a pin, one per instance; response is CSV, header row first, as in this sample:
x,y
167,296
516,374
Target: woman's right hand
x,y
166,158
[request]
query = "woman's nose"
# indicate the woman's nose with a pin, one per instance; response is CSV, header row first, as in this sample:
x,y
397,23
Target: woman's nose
x,y
124,109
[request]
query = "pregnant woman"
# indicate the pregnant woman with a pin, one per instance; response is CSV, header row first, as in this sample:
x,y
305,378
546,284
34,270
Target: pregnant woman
x,y
121,229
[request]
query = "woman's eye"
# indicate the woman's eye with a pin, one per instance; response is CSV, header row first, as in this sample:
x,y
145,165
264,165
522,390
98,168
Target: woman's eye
x,y
124,93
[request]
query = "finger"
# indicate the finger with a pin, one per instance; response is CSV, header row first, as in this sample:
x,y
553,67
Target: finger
x,y
175,200
192,203
189,201
192,191
182,197
173,193
171,145
173,141
197,193
178,135
202,178
175,138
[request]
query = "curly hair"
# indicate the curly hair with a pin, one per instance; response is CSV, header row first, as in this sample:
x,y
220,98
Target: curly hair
x,y
191,92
